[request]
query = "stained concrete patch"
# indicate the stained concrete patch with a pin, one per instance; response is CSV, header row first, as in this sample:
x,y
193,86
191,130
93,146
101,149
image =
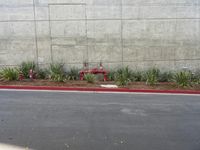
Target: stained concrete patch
x,y
12,147
109,86
128,111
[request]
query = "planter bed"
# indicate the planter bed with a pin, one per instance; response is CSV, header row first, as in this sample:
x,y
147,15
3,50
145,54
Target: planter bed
x,y
84,84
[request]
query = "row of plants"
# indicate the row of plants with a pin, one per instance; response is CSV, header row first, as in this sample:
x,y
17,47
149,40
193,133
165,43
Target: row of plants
x,y
122,76
153,76
55,72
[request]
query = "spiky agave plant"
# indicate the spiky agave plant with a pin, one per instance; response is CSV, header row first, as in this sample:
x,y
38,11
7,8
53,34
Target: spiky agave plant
x,y
183,78
57,72
152,76
90,78
123,76
9,74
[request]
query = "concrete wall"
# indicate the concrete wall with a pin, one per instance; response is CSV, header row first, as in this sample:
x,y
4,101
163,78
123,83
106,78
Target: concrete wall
x,y
137,33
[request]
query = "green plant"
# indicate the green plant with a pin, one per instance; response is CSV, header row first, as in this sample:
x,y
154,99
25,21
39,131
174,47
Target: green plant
x,y
138,76
196,77
57,72
123,76
9,74
90,78
183,78
151,76
25,67
111,75
73,74
165,77
42,73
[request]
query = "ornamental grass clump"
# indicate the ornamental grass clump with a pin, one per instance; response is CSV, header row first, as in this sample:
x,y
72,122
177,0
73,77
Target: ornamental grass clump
x,y
123,76
9,74
57,72
90,78
183,78
151,76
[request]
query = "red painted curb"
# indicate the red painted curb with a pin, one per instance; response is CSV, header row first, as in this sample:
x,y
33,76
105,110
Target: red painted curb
x,y
98,89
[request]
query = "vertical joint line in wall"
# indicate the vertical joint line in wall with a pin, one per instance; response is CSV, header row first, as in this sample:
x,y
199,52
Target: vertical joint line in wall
x,y
176,24
198,16
51,53
198,26
198,37
36,37
86,33
121,36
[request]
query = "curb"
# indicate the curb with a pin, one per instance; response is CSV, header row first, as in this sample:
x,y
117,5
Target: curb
x,y
82,89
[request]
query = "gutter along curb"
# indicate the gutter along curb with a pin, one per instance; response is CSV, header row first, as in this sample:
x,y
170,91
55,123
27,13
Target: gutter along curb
x,y
82,89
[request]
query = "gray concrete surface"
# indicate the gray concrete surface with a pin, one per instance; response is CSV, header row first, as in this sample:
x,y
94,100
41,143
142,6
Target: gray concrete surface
x,y
137,33
75,121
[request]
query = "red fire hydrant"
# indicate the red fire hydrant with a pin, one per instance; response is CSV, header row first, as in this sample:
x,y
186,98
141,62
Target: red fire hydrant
x,y
99,70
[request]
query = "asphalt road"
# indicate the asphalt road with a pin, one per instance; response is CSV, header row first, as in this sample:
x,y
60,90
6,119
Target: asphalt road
x,y
88,121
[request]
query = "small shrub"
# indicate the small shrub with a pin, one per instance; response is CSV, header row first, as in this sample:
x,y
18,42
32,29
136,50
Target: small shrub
x,y
73,74
152,76
138,76
42,73
165,77
25,67
196,77
123,76
90,78
183,78
57,72
111,75
9,74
